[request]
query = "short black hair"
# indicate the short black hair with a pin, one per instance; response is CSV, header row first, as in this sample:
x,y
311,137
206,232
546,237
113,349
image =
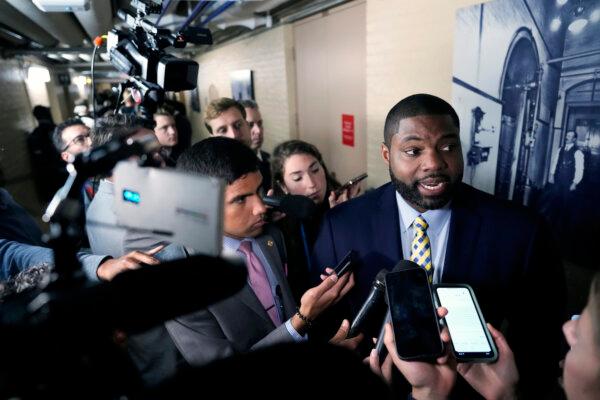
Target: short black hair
x,y
116,125
414,106
57,139
249,104
219,157
42,112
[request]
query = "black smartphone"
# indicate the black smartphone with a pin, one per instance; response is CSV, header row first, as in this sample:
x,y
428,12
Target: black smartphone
x,y
345,264
350,183
471,340
414,316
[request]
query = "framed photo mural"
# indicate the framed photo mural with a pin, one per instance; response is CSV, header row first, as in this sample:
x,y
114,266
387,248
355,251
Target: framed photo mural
x,y
526,85
242,86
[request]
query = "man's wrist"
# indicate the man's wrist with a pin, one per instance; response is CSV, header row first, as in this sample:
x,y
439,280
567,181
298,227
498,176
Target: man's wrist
x,y
426,393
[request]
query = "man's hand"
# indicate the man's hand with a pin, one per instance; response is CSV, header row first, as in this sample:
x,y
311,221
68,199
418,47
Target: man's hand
x,y
348,193
113,266
275,215
317,299
429,380
497,380
341,337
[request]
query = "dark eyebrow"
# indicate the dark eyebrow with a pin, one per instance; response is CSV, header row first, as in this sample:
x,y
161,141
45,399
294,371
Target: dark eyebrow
x,y
411,137
309,167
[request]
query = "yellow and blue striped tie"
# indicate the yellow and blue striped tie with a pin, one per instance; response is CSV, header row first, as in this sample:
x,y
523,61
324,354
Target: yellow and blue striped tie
x,y
421,248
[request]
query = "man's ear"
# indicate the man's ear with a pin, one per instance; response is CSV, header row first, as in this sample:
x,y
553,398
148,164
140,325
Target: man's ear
x,y
385,153
66,157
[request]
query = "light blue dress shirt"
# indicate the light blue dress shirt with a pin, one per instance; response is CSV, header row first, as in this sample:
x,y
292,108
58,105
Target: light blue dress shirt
x,y
439,227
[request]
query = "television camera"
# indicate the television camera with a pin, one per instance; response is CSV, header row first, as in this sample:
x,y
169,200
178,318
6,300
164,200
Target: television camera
x,y
139,53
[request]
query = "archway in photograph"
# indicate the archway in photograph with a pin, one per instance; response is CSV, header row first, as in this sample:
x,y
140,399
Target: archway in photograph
x,y
519,95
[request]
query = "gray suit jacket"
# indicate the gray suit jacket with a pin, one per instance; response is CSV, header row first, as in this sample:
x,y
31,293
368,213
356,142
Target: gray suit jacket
x,y
237,324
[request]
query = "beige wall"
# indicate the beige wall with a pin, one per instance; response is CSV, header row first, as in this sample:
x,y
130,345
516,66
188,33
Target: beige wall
x,y
269,56
409,50
330,81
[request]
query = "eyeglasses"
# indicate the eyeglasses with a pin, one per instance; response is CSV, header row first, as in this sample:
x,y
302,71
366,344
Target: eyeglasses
x,y
79,140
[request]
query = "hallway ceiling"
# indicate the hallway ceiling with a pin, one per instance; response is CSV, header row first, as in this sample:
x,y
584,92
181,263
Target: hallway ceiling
x,y
64,39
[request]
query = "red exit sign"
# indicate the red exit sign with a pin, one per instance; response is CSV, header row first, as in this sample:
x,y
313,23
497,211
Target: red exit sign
x,y
348,130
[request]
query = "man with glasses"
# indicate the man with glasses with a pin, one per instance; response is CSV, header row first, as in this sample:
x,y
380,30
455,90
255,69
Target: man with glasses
x,y
71,138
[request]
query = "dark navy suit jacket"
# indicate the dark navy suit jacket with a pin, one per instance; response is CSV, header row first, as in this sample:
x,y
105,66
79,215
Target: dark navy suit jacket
x,y
504,251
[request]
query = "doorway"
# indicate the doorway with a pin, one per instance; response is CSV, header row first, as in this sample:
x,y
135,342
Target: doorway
x,y
519,99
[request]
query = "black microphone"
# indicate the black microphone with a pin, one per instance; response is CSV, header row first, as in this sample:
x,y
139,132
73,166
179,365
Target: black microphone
x,y
373,301
297,206
134,300
102,159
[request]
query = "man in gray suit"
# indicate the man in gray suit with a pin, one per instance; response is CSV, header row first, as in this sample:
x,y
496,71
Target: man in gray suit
x,y
262,313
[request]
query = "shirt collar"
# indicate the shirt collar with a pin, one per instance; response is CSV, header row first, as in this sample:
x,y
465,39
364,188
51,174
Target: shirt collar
x,y
234,244
435,218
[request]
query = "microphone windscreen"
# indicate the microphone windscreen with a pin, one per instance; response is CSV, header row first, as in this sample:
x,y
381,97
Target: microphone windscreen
x,y
405,264
144,297
298,206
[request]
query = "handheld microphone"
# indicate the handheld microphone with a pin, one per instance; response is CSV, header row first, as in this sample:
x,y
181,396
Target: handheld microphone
x,y
373,301
380,345
297,206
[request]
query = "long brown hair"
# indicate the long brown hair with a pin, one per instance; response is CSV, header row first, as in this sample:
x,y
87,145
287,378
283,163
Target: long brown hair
x,y
285,150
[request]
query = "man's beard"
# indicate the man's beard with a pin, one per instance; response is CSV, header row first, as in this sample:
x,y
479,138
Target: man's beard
x,y
411,193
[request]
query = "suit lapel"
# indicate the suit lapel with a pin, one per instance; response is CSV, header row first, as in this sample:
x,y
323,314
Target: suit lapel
x,y
465,225
247,295
386,225
271,253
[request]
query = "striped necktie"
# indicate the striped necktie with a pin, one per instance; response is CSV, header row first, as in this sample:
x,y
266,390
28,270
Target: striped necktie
x,y
421,247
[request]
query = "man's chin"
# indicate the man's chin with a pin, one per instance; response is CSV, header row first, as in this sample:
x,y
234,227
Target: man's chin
x,y
434,203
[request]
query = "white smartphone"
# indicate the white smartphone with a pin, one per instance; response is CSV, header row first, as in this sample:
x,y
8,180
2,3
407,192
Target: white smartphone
x,y
471,340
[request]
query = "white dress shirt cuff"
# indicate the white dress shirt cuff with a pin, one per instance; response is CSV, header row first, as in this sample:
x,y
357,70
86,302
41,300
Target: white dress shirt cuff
x,y
295,335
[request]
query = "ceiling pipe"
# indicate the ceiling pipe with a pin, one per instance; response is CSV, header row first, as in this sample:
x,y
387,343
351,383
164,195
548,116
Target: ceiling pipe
x,y
60,25
13,37
194,14
165,9
17,22
312,10
217,12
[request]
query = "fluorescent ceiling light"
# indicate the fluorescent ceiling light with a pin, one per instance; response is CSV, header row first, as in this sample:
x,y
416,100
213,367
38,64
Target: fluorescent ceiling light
x,y
38,74
555,24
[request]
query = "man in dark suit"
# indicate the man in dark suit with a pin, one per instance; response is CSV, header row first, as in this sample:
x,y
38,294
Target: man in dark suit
x,y
263,313
502,250
257,135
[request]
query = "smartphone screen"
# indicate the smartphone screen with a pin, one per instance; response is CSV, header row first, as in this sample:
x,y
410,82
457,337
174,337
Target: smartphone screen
x,y
470,338
414,318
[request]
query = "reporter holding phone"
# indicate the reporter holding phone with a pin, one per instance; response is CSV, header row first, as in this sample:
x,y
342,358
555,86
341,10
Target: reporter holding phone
x,y
499,380
297,168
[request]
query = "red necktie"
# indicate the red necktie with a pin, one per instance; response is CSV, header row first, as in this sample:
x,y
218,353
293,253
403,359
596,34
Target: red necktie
x,y
259,281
